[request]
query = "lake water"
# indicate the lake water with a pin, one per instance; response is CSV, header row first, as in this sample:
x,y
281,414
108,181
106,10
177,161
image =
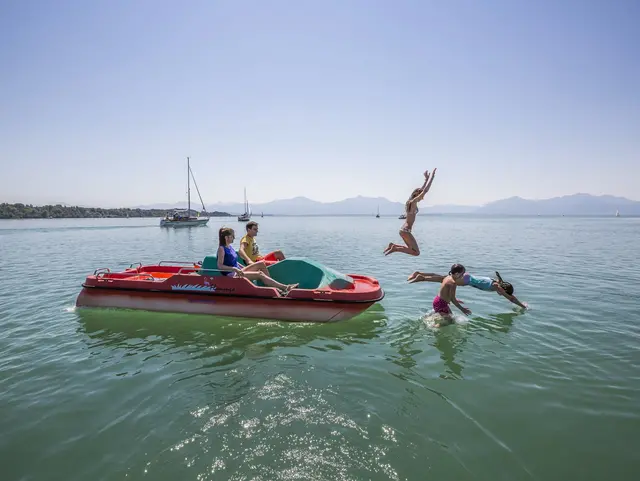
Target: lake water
x,y
552,393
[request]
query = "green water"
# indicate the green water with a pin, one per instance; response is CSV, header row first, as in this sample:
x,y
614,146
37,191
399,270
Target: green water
x,y
549,394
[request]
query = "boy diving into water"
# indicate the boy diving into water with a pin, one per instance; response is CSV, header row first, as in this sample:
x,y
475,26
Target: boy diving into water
x,y
487,284
447,294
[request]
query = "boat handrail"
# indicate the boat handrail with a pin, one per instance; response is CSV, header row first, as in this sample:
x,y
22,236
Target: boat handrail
x,y
204,270
139,264
178,262
102,270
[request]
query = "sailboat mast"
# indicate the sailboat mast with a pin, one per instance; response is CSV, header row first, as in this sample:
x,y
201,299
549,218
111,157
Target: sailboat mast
x,y
188,189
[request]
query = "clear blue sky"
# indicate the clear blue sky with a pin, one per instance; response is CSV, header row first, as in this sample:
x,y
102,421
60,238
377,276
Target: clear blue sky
x,y
101,101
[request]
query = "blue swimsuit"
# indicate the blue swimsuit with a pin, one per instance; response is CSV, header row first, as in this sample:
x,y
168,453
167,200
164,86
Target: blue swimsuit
x,y
482,283
230,259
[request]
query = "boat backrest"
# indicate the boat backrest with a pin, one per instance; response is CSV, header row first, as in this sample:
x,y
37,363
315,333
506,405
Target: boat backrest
x,y
210,262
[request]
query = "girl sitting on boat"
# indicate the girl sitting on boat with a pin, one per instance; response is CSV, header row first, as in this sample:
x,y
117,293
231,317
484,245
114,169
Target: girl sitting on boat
x,y
229,266
411,210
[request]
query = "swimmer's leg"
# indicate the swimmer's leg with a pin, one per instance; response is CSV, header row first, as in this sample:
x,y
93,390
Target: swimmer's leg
x,y
390,248
411,247
424,277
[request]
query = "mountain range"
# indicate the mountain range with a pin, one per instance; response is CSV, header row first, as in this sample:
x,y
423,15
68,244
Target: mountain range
x,y
576,204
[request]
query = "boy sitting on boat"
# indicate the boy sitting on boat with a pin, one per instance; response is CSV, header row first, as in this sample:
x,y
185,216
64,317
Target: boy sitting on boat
x,y
249,250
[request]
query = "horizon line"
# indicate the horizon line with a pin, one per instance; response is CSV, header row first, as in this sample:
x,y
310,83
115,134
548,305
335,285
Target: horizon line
x,y
149,204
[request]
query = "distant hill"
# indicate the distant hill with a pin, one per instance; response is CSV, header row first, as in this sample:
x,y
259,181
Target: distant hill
x,y
577,204
303,206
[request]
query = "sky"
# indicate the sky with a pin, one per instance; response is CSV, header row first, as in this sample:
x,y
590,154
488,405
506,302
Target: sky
x,y
101,102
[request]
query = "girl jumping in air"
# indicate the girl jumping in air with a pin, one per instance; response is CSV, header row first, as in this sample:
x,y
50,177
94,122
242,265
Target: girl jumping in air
x,y
411,210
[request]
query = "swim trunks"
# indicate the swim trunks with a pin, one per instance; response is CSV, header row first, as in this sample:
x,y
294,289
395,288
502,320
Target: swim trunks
x,y
441,306
482,283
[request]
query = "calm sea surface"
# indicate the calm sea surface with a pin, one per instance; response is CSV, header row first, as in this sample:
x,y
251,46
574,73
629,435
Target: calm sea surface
x,y
552,393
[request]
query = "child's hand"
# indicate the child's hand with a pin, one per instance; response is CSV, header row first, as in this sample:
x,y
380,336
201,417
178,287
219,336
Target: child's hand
x,y
459,301
466,311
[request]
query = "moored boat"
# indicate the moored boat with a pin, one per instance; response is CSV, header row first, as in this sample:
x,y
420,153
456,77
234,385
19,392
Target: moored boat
x,y
246,215
323,294
185,218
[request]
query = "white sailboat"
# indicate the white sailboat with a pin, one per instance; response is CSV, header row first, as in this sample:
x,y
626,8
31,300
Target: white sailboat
x,y
617,213
246,216
183,218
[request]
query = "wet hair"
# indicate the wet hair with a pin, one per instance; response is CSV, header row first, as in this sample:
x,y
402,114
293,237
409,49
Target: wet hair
x,y
457,269
222,235
508,288
251,225
414,194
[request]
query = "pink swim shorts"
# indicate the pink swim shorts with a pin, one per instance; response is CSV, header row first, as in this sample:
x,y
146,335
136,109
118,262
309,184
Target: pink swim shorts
x,y
441,306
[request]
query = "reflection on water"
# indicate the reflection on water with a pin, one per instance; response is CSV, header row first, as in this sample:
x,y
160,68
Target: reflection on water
x,y
412,338
209,335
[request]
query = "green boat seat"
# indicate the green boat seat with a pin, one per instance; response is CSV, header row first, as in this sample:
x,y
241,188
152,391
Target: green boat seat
x,y
210,262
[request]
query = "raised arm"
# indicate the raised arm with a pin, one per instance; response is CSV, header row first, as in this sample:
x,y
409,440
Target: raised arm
x,y
428,180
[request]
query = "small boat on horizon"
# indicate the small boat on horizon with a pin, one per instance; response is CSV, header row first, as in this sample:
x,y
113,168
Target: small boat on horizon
x,y
246,216
617,213
378,214
184,218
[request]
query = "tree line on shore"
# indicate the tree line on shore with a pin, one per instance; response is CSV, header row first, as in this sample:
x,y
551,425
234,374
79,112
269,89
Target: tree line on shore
x,y
28,211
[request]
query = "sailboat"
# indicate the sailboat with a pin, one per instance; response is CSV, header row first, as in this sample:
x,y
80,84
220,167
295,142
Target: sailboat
x,y
183,218
378,214
246,217
617,213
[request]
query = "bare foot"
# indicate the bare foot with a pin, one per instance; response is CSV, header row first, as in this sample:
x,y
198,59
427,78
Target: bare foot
x,y
391,250
413,276
388,248
287,289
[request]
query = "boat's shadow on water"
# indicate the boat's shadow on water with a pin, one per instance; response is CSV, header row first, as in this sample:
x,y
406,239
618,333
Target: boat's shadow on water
x,y
142,330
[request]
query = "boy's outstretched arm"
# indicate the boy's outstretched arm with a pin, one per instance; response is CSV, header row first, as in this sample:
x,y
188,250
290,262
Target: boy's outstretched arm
x,y
515,300
456,303
511,298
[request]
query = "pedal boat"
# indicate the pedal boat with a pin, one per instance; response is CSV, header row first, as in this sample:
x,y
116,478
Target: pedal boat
x,y
323,294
